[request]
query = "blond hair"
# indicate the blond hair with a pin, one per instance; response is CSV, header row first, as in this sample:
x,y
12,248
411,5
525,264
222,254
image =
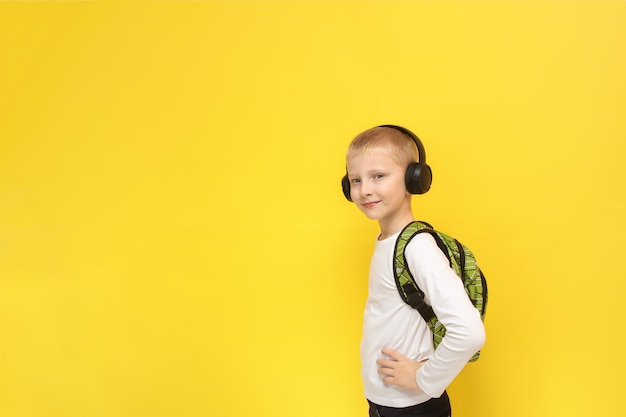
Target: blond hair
x,y
401,146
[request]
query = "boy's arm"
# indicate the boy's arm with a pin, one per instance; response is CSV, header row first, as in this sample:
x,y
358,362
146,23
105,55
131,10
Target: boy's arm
x,y
465,333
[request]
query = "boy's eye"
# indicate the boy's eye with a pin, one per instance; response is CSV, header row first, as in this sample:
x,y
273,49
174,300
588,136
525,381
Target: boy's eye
x,y
355,180
378,176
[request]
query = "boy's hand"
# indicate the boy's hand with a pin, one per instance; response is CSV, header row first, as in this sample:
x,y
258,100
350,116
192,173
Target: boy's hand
x,y
399,370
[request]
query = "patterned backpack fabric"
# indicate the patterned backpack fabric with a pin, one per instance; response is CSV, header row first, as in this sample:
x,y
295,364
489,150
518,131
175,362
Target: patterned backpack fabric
x,y
462,262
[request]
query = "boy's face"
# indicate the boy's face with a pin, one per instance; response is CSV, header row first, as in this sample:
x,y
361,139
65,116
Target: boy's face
x,y
377,187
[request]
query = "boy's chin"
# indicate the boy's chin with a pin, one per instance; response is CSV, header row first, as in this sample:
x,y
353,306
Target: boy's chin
x,y
371,216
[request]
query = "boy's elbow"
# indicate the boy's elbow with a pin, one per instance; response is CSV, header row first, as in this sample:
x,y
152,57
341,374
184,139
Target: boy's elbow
x,y
478,338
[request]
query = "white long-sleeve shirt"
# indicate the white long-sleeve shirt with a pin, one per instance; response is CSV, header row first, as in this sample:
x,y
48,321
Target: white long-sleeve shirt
x,y
390,322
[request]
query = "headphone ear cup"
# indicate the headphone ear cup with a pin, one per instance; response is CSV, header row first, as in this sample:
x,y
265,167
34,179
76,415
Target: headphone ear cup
x,y
426,178
418,178
345,187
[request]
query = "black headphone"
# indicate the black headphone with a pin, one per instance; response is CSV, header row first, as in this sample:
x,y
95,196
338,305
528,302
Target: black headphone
x,y
418,176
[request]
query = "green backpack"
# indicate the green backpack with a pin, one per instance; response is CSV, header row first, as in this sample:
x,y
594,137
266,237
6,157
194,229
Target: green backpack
x,y
462,262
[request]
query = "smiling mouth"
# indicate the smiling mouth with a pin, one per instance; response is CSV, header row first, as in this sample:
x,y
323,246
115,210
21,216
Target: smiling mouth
x,y
370,204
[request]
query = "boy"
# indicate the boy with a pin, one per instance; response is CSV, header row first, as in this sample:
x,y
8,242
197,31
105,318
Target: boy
x,y
402,373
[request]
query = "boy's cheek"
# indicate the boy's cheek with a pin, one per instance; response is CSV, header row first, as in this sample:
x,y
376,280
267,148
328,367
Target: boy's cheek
x,y
354,195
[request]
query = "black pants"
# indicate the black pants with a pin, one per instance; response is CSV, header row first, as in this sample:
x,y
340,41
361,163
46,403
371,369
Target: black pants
x,y
435,407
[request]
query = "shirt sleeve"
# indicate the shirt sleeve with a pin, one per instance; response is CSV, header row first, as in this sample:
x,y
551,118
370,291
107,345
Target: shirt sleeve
x,y
465,333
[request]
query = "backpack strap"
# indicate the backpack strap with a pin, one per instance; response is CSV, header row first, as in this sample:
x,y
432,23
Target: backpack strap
x,y
407,287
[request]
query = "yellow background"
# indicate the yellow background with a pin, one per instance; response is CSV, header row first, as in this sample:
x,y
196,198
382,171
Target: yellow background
x,y
174,242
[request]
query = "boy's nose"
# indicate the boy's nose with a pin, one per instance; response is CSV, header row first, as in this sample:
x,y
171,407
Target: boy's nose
x,y
366,189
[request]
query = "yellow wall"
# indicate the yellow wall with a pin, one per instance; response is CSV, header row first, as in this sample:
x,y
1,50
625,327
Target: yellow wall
x,y
174,242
